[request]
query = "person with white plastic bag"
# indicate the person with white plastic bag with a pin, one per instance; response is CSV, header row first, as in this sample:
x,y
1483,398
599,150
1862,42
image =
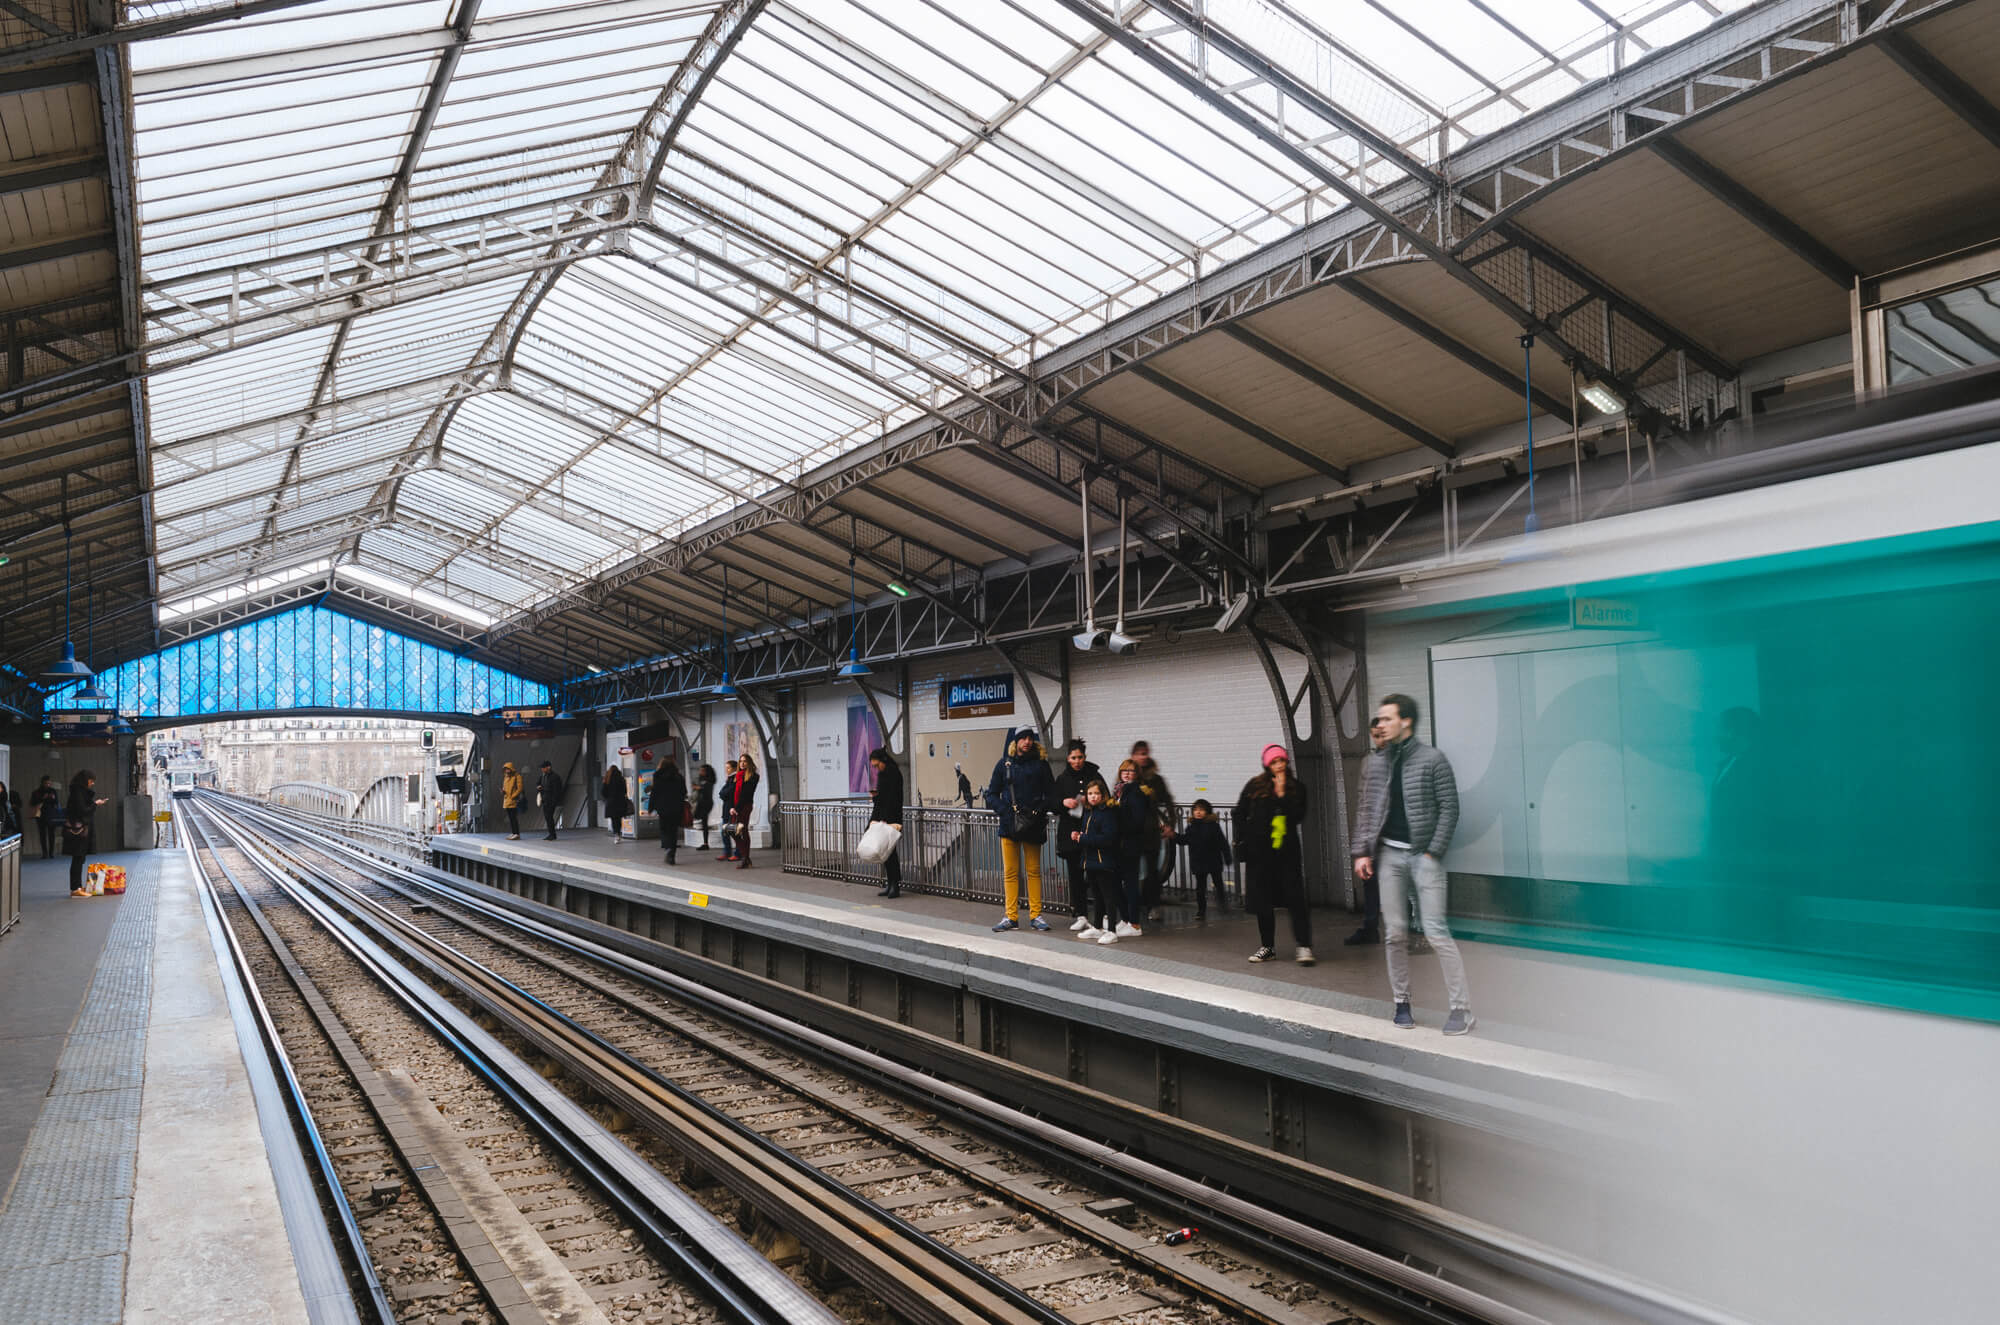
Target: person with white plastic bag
x,y
887,812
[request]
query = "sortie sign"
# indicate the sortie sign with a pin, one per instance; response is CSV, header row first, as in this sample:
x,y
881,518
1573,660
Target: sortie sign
x,y
976,697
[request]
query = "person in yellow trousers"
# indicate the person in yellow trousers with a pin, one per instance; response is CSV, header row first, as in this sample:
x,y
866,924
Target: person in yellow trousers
x,y
1022,791
511,792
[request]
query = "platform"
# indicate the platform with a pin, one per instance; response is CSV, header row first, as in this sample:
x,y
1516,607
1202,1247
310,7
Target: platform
x,y
135,1181
1183,983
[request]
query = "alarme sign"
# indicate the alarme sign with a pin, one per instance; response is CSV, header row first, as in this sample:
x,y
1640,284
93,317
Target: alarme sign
x,y
976,697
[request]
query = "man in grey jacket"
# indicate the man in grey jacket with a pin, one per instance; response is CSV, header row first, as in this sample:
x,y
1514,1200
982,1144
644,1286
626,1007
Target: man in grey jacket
x,y
1409,810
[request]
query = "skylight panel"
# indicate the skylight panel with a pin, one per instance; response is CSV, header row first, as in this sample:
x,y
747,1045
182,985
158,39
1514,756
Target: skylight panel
x,y
236,593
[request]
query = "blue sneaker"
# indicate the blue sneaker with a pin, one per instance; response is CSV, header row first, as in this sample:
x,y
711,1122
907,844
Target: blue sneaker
x,y
1459,1022
1006,925
1404,1021
1038,924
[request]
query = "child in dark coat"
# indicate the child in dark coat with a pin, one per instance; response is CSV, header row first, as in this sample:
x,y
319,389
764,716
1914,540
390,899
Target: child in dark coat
x,y
1208,854
1099,836
1135,833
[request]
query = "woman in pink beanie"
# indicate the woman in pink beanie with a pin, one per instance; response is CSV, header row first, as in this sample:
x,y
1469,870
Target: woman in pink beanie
x,y
1270,815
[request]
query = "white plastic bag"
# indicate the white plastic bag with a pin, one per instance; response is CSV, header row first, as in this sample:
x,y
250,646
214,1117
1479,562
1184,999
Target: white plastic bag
x,y
879,842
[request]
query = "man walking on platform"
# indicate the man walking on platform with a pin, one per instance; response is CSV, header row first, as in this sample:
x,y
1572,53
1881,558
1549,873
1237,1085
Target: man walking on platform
x,y
1409,810
548,795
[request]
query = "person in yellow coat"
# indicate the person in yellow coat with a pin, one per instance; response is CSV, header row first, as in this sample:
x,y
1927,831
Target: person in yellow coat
x,y
510,799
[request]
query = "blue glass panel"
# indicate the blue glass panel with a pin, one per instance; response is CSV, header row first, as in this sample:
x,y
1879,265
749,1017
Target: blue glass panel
x,y
322,657
378,667
208,673
482,688
267,663
400,650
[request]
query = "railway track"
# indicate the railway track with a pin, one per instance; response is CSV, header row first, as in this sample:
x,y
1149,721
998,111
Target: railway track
x,y
895,1196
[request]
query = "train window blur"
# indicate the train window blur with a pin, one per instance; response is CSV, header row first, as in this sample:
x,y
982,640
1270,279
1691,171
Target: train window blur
x,y
1944,333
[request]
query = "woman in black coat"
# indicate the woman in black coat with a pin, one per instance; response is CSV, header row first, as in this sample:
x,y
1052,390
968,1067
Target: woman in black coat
x,y
742,801
616,803
887,808
1075,778
704,799
80,825
669,805
1269,819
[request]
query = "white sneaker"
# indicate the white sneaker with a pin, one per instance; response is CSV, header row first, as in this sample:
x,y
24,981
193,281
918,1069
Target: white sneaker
x,y
1127,930
1107,937
1089,932
1079,924
1305,956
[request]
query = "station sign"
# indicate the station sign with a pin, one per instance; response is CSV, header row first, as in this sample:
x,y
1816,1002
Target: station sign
x,y
81,727
976,697
525,724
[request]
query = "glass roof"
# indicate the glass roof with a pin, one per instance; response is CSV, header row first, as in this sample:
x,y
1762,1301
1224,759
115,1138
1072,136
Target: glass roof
x,y
391,327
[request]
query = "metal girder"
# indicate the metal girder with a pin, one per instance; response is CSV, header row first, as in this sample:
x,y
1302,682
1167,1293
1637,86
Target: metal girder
x,y
986,502
70,44
1296,120
1340,390
1457,349
393,199
1738,55
1775,224
1957,95
197,315
650,141
365,409
1221,413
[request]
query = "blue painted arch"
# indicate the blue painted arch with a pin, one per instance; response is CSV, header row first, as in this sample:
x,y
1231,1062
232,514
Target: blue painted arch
x,y
307,658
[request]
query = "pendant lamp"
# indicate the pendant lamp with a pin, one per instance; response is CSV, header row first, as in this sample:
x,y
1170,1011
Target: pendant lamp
x,y
725,688
66,668
853,669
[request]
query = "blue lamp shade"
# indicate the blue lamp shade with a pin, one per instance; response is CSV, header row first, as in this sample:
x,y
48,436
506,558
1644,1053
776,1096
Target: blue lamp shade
x,y
91,693
67,668
725,689
854,669
120,727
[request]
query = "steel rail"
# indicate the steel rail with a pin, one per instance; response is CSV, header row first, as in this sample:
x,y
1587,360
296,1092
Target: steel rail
x,y
1292,1241
717,1262
322,1267
922,1279
1062,1157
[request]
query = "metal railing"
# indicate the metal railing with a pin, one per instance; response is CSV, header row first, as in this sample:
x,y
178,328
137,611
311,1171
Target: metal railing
x,y
406,843
953,852
10,882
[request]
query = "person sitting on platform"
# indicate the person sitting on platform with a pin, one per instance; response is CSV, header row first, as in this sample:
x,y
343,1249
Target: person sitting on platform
x,y
669,805
549,795
511,792
1208,854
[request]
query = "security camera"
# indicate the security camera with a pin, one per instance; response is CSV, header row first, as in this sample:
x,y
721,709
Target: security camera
x,y
1121,643
1234,613
1088,638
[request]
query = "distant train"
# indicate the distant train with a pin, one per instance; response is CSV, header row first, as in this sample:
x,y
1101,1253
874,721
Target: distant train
x,y
181,783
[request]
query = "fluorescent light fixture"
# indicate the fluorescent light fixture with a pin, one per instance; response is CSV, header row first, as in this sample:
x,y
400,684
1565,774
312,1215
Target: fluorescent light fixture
x,y
898,588
201,602
1603,399
594,669
1238,607
421,597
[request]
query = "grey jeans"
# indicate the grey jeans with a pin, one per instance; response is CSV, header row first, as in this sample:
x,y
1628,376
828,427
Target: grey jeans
x,y
1401,870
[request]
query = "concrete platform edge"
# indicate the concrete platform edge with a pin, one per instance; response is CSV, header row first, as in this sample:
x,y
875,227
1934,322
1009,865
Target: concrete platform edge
x,y
1474,1090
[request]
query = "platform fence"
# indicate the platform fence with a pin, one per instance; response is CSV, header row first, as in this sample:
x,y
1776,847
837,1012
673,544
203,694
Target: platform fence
x,y
949,851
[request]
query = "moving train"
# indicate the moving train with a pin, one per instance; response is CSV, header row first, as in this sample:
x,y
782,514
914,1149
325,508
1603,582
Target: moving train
x,y
1747,732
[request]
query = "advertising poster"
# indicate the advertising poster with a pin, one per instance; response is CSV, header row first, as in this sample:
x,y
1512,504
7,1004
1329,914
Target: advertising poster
x,y
939,756
864,735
